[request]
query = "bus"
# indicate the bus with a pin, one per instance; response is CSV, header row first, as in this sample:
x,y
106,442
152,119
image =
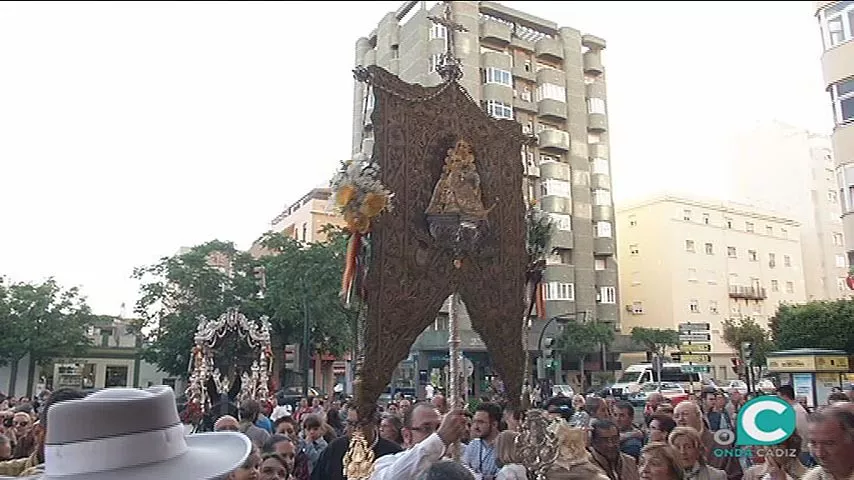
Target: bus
x,y
636,375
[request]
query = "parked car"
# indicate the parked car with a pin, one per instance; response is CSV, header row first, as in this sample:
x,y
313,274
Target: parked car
x,y
562,391
766,386
672,392
292,395
738,385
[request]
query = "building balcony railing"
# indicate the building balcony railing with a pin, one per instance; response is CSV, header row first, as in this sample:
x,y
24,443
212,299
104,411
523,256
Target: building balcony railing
x,y
747,293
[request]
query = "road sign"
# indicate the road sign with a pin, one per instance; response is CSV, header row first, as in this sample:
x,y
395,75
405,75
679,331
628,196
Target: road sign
x,y
687,358
695,337
695,347
694,327
696,368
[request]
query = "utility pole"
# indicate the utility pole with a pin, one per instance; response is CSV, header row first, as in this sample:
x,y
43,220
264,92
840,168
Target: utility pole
x,y
305,338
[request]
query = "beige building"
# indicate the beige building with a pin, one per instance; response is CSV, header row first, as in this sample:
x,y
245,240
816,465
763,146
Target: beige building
x,y
686,260
836,21
803,188
549,78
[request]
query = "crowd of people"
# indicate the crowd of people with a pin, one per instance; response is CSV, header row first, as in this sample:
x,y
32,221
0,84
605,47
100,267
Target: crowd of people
x,y
136,434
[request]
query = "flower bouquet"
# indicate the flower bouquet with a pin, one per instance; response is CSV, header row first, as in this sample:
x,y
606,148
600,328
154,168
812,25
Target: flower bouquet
x,y
359,197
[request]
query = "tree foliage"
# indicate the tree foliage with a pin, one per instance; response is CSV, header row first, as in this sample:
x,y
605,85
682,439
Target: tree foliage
x,y
42,319
819,324
745,329
581,338
655,340
213,277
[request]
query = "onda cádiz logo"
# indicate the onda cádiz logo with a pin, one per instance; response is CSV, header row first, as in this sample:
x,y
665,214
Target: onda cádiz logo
x,y
762,422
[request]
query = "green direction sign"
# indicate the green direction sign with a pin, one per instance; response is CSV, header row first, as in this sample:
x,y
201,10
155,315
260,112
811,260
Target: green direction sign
x,y
696,368
695,347
694,327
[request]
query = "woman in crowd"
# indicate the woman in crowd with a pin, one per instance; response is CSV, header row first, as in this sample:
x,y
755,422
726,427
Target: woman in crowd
x,y
511,469
250,468
274,467
660,427
391,428
779,467
688,445
658,461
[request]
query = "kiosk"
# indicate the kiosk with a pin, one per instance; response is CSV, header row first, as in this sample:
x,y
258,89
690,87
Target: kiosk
x,y
813,373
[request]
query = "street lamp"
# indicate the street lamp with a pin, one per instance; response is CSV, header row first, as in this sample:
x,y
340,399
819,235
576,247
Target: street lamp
x,y
562,319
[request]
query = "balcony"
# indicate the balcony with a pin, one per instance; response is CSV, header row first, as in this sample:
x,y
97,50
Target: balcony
x,y
603,246
495,31
551,139
550,109
549,49
747,293
593,63
597,122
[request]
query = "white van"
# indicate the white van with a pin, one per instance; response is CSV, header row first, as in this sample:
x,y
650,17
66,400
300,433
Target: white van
x,y
636,375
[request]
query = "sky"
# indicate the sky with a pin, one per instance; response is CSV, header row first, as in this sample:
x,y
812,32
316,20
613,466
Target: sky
x,y
131,129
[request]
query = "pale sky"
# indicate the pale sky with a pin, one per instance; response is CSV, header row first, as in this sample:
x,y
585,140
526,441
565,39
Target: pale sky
x,y
128,130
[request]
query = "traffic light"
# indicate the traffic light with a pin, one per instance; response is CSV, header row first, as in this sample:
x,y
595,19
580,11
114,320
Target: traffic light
x,y
747,352
292,357
548,343
736,365
260,274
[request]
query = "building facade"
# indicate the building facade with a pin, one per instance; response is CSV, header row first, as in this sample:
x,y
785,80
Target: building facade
x,y
688,260
802,187
836,21
551,80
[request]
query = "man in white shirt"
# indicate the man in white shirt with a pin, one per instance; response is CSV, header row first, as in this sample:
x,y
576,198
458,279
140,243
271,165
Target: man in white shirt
x,y
426,440
787,393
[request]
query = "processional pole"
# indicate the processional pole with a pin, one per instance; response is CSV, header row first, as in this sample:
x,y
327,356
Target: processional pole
x,y
455,363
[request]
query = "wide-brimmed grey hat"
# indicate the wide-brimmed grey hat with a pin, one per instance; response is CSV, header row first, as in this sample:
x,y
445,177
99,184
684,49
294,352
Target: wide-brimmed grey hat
x,y
130,434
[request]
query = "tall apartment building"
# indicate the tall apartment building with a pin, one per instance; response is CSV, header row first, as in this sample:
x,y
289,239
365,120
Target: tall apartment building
x,y
836,20
801,187
551,80
689,260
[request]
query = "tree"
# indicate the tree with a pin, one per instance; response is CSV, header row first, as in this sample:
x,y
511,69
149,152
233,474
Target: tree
x,y
42,320
736,331
819,324
655,340
579,339
215,276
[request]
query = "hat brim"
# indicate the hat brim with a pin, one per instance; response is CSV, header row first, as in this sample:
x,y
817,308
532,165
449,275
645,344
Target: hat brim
x,y
210,456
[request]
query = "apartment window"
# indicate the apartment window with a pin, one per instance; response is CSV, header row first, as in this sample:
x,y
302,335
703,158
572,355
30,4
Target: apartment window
x,y
790,287
775,286
601,197
608,295
841,284
748,226
837,239
497,76
560,291
438,31
603,229
769,230
752,256
304,232
593,138
559,188
633,221
435,60
840,261
710,249
832,197
694,306
550,91
692,275
729,223
637,308
842,96
599,264
713,277
561,221
633,249
689,246
600,166
547,159
554,258
787,261
837,23
499,110
527,65
636,278
713,307
731,252
596,105
706,218
686,215
784,233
